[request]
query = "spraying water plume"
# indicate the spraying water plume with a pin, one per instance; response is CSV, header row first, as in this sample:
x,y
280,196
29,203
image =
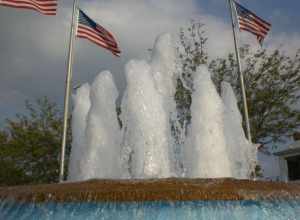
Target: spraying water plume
x,y
215,145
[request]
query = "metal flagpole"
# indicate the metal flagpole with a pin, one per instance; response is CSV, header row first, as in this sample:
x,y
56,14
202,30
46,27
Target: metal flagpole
x,y
67,92
241,76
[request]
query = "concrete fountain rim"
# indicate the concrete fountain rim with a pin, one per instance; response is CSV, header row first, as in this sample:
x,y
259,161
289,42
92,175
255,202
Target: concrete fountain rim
x,y
139,190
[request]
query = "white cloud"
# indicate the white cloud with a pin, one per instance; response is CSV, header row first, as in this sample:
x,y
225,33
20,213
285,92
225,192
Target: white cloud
x,y
286,42
34,61
136,23
12,102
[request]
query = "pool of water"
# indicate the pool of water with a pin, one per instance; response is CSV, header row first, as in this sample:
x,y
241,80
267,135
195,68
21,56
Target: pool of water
x,y
193,210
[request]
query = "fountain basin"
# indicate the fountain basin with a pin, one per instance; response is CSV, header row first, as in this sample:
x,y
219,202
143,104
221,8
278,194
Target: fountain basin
x,y
152,190
153,199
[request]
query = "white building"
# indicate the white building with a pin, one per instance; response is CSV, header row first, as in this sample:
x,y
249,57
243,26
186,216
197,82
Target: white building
x,y
283,165
289,162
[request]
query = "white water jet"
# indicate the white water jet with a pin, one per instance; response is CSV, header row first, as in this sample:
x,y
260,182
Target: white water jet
x,y
206,155
103,137
82,104
103,132
147,109
165,74
163,68
145,148
241,152
146,124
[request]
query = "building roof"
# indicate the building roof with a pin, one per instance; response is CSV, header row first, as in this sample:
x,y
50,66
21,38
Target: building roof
x,y
292,150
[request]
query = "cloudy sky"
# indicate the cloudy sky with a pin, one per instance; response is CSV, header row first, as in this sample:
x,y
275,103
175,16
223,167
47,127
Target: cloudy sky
x,y
33,48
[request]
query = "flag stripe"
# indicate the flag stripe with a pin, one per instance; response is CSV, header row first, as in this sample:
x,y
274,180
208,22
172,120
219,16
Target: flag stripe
x,y
112,42
47,7
85,32
30,7
263,22
245,20
248,21
88,22
95,34
82,32
259,30
248,12
267,27
37,3
99,43
38,8
50,5
92,31
40,2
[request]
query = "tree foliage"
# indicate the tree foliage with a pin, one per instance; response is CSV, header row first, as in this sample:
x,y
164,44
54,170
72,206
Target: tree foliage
x,y
192,53
272,81
30,145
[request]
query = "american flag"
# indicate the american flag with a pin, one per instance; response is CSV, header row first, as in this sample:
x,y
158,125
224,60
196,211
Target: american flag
x,y
92,31
46,7
248,21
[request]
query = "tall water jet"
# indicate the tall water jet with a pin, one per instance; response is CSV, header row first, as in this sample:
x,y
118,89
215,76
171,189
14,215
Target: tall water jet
x,y
146,148
147,108
82,104
145,124
206,154
242,153
103,136
163,69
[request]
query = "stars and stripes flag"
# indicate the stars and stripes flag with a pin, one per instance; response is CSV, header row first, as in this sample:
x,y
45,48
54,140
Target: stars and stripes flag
x,y
46,7
94,32
248,21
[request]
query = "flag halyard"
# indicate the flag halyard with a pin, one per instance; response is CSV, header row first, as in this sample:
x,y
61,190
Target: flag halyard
x,y
89,29
46,7
250,22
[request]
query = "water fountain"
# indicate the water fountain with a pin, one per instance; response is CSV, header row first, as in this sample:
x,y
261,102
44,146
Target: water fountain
x,y
131,173
214,147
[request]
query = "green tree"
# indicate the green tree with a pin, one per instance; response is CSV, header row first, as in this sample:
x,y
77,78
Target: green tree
x,y
30,145
10,174
191,53
272,81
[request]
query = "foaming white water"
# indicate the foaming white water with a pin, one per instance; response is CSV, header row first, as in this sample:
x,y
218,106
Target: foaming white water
x,y
206,154
99,154
145,148
146,138
103,132
81,107
165,72
241,152
147,107
163,68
